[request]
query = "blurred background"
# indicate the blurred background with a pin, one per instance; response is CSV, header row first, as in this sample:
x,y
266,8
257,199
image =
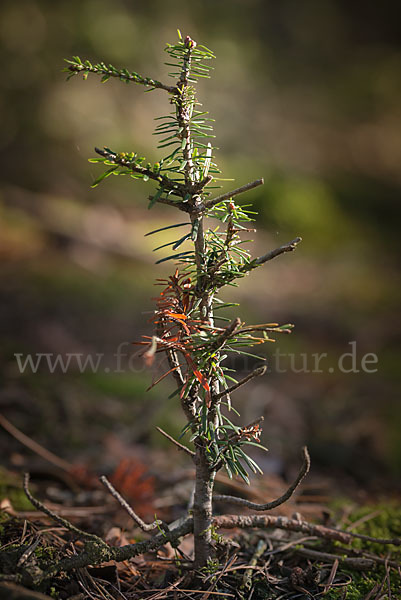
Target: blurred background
x,y
306,95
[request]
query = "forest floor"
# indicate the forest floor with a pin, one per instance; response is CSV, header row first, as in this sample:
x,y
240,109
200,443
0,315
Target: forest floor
x,y
303,561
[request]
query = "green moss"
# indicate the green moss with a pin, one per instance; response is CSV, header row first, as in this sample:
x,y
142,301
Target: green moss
x,y
385,523
45,553
364,583
11,488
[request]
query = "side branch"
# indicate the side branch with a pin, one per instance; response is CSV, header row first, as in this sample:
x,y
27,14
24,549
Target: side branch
x,y
179,446
281,250
257,262
228,195
122,161
122,74
270,505
256,373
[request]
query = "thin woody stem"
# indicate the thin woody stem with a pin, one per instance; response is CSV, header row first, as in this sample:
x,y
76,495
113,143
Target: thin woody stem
x,y
256,373
289,247
265,521
204,480
60,520
257,262
34,446
144,526
97,554
236,192
179,446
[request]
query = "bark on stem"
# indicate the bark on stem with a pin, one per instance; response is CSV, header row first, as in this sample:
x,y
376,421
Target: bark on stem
x,y
202,509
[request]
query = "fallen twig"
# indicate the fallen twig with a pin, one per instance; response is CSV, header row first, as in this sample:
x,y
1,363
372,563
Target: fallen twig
x,y
144,526
332,576
266,521
42,507
358,563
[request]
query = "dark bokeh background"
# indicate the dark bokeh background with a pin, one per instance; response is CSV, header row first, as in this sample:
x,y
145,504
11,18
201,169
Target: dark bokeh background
x,y
306,95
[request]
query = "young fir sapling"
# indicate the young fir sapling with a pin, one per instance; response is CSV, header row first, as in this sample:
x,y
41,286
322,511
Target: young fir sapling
x,y
184,319
187,333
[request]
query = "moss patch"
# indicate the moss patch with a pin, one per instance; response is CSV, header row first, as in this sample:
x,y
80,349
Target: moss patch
x,y
380,521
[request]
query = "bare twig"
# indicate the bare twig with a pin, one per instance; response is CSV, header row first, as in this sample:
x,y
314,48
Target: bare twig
x,y
42,507
377,559
332,576
256,373
74,512
179,446
355,563
265,521
228,195
34,446
144,526
99,552
270,505
183,590
289,247
124,552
